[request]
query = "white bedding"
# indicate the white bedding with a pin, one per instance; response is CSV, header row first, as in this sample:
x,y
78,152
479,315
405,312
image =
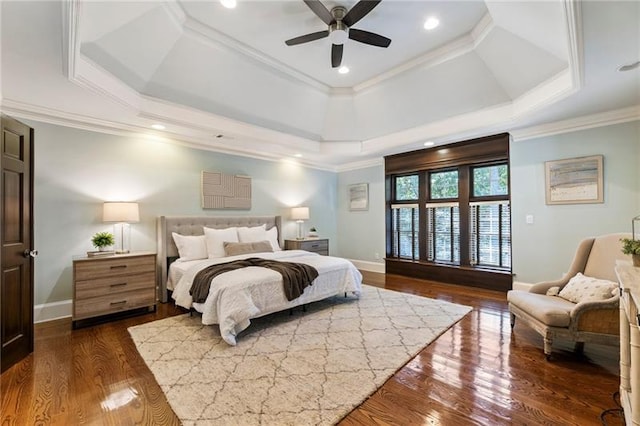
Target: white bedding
x,y
177,270
237,296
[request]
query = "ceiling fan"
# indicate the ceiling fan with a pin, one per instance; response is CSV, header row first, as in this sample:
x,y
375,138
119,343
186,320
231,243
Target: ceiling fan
x,y
340,21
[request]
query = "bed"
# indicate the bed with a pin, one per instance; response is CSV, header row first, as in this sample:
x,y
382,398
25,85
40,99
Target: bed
x,y
237,297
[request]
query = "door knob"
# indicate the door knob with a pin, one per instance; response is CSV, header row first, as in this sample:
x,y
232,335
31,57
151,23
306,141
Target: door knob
x,y
32,253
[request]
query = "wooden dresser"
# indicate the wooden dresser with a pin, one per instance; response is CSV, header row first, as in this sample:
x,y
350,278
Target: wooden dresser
x,y
629,279
315,245
106,285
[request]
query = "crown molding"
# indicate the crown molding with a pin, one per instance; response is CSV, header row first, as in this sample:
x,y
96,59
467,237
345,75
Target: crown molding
x,y
575,41
586,122
70,29
206,34
458,47
362,164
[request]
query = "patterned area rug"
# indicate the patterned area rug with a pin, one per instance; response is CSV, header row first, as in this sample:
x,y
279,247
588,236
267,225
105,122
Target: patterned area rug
x,y
308,368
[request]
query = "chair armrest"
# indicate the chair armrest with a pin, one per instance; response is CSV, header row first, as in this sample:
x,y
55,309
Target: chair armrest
x,y
542,287
610,303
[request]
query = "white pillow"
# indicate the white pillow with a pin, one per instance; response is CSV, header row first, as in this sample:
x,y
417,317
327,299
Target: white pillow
x,y
586,289
272,237
190,247
215,239
252,235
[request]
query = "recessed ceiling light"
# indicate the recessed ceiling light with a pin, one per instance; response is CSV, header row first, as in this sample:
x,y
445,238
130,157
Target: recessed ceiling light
x,y
298,155
343,69
629,67
431,23
157,126
229,4
429,143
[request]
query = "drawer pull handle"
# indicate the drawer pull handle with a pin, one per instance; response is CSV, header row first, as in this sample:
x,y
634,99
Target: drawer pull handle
x,y
118,284
315,245
122,302
118,266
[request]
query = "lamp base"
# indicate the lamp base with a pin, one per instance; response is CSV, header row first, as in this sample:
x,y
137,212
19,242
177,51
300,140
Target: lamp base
x,y
300,233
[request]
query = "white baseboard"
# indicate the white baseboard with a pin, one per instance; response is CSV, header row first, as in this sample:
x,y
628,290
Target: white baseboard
x,y
52,311
519,285
369,266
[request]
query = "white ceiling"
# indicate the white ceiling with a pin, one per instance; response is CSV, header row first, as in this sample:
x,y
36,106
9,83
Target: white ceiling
x,y
205,71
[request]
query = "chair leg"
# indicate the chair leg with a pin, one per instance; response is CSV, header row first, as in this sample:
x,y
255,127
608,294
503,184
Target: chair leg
x,y
513,320
547,347
579,347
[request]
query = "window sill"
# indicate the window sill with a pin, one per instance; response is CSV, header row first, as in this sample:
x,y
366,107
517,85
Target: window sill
x,y
473,276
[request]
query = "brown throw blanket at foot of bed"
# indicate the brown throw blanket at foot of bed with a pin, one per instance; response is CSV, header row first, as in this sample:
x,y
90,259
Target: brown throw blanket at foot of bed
x,y
295,276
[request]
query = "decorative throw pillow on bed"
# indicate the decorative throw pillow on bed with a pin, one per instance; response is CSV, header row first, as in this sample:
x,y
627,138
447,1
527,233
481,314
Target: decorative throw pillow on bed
x,y
232,249
587,289
190,247
250,235
215,239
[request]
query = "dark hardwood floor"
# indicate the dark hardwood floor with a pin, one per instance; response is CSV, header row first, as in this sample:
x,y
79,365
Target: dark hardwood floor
x,y
476,373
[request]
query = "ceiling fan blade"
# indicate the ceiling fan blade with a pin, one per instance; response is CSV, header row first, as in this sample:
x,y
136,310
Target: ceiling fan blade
x,y
359,11
307,38
336,55
319,9
369,38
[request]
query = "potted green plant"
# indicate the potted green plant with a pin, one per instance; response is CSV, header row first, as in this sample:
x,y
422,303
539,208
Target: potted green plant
x,y
631,247
313,232
102,240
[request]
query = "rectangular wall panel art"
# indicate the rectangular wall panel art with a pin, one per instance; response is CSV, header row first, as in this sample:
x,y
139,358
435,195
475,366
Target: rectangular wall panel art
x,y
222,191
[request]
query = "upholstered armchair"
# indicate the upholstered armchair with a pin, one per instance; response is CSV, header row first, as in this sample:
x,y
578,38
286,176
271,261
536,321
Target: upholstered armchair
x,y
595,317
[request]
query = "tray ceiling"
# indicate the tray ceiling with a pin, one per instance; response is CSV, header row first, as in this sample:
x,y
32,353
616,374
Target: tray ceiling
x,y
215,76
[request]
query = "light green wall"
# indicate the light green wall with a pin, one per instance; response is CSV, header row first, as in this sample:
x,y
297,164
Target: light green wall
x,y
362,233
77,170
544,249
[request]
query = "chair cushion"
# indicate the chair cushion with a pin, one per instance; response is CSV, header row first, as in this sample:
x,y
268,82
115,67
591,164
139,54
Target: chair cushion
x,y
550,310
581,288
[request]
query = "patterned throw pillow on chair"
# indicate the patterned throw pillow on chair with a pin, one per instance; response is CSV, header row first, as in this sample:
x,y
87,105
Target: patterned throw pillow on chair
x,y
587,289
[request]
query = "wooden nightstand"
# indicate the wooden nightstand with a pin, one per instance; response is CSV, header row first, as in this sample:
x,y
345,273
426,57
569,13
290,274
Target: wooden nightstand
x,y
315,245
110,284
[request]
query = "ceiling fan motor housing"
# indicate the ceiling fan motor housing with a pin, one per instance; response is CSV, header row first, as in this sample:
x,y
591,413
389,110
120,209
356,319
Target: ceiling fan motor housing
x,y
338,33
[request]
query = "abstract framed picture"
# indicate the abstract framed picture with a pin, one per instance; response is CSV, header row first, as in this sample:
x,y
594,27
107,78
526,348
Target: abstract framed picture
x,y
574,180
359,197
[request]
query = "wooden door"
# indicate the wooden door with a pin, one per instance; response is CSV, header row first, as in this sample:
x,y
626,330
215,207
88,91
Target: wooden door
x,y
16,239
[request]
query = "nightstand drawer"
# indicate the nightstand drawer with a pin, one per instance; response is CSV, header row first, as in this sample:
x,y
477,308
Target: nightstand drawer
x,y
320,246
315,246
112,303
111,285
91,269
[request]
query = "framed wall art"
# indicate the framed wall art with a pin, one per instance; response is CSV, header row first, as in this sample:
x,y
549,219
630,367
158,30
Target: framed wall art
x,y
359,197
223,191
574,180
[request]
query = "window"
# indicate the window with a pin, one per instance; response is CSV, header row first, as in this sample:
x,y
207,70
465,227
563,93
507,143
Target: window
x,y
443,232
449,214
490,180
406,188
405,217
443,185
405,241
490,234
490,221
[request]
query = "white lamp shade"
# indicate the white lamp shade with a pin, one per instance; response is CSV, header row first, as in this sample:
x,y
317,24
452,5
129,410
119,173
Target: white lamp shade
x,y
120,212
300,213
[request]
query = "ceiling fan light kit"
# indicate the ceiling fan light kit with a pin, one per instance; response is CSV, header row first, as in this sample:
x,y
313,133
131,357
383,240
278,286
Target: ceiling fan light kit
x,y
339,23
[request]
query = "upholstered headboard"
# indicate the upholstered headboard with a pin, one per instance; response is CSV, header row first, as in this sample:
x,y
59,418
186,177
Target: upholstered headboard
x,y
194,225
